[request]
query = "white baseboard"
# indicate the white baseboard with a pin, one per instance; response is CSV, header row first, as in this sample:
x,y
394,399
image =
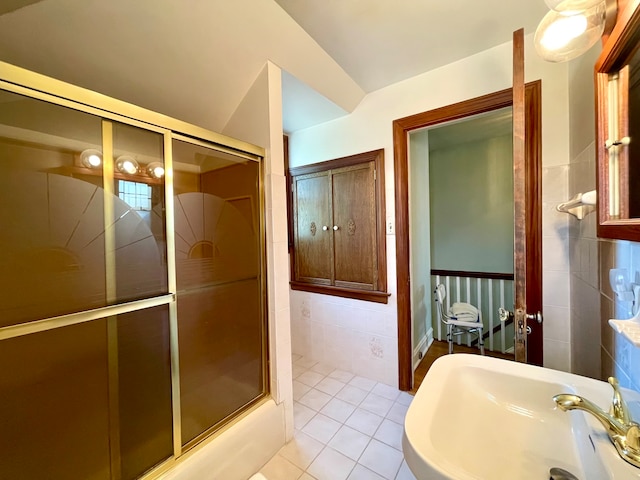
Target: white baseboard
x,y
421,348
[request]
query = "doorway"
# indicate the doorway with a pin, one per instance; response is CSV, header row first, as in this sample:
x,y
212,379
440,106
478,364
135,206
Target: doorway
x,y
462,226
531,205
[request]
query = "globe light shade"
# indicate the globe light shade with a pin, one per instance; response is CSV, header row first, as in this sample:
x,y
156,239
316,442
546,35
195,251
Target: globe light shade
x,y
572,5
91,158
127,164
563,36
155,170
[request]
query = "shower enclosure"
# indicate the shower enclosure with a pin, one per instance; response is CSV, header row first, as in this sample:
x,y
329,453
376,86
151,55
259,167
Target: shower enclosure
x,y
132,284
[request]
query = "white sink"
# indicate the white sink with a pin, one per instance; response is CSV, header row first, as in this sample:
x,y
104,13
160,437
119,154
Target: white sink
x,y
478,417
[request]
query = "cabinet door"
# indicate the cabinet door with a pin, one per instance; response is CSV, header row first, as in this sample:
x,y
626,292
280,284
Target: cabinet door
x,y
354,214
312,228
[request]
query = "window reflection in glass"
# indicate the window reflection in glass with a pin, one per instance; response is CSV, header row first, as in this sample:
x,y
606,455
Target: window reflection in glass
x,y
138,215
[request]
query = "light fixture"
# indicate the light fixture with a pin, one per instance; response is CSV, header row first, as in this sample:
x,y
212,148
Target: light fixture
x,y
567,5
572,27
127,164
91,158
155,170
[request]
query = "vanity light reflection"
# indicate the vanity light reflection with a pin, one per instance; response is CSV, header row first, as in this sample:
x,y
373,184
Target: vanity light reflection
x,y
126,164
155,170
91,158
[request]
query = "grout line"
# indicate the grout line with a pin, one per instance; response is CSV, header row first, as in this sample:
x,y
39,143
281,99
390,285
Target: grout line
x,y
325,445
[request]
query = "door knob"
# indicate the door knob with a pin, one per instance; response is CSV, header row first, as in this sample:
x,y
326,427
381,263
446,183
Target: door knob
x,y
325,228
535,316
335,228
504,314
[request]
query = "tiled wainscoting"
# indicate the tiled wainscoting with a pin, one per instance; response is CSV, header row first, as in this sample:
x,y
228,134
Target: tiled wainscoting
x,y
347,427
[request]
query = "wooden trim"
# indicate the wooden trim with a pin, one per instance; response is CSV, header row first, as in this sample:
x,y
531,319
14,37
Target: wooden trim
x,y
519,192
533,206
381,221
485,103
287,177
457,273
366,295
401,128
602,132
623,40
380,287
372,156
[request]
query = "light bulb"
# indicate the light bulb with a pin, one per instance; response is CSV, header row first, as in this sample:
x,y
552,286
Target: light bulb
x,y
562,31
91,158
562,36
155,169
126,164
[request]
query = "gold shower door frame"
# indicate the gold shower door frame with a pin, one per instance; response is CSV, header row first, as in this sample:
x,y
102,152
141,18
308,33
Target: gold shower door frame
x,y
30,84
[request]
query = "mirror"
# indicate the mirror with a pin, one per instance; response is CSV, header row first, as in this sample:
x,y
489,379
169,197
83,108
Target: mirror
x,y
617,77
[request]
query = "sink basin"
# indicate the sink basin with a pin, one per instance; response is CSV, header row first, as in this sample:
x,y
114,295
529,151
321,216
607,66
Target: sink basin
x,y
477,417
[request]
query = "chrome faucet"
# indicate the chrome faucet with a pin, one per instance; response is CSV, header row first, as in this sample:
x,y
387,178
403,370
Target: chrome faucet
x,y
622,430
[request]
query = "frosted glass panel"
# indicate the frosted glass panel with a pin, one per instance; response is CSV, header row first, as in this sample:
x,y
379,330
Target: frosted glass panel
x,y
138,215
54,404
144,389
218,276
58,418
220,353
51,212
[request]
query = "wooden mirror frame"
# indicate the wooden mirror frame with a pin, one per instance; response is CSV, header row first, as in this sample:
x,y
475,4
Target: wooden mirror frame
x,y
618,48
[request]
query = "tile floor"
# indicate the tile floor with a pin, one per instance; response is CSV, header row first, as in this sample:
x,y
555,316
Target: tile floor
x,y
346,428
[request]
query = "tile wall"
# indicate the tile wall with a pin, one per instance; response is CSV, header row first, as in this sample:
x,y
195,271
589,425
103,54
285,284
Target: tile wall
x,y
351,335
585,298
597,351
355,336
555,269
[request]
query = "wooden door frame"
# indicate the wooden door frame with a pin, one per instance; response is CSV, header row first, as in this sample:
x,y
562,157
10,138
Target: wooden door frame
x,y
533,173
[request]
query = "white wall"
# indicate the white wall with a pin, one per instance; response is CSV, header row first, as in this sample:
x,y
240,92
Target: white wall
x,y
597,351
258,120
420,231
366,327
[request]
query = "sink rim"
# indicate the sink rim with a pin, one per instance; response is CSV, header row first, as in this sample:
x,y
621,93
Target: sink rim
x,y
420,453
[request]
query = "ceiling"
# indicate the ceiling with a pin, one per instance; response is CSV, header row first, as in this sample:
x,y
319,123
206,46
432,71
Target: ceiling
x,y
196,60
380,42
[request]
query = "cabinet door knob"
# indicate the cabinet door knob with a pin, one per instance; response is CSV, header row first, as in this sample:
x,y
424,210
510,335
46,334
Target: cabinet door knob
x,y
325,228
335,228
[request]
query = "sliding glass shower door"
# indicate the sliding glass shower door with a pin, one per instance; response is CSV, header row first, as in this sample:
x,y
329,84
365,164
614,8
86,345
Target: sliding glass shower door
x,y
132,305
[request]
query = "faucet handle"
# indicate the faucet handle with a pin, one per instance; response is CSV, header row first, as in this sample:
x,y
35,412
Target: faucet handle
x,y
619,409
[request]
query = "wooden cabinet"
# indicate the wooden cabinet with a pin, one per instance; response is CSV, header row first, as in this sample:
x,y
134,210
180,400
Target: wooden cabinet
x,y
313,235
617,75
338,220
